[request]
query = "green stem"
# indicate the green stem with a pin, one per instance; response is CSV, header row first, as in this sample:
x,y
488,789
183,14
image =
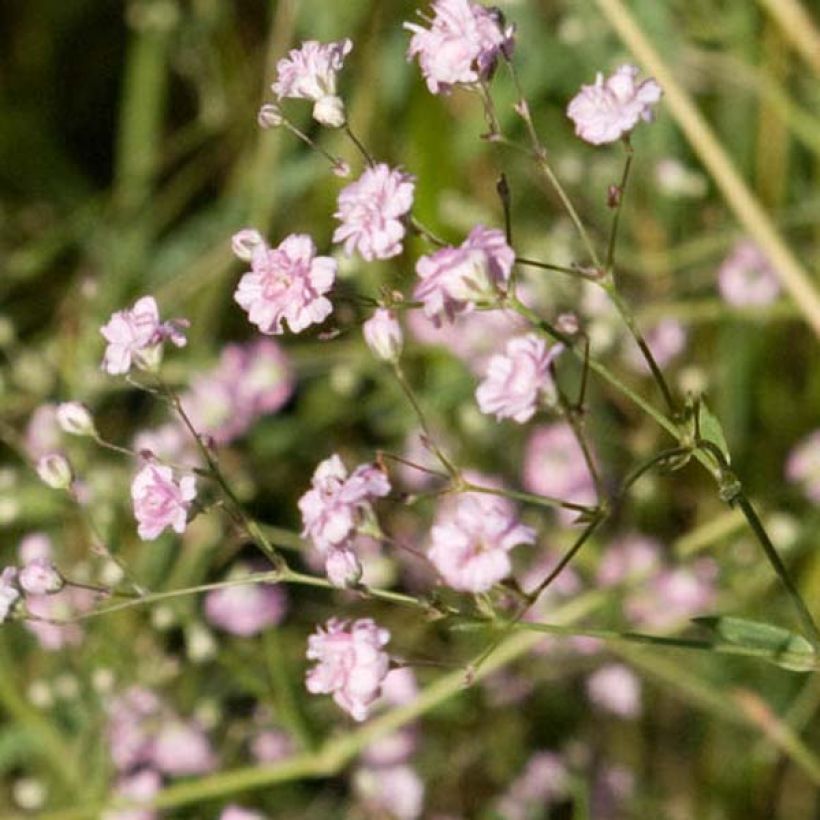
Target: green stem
x,y
527,498
613,233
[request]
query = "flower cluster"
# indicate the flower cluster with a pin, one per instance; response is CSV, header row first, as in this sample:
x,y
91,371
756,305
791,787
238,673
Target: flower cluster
x,y
336,507
462,45
350,664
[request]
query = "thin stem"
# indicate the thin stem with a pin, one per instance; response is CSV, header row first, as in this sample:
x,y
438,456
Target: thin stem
x,y
528,498
619,206
574,272
424,231
573,417
360,147
335,162
645,466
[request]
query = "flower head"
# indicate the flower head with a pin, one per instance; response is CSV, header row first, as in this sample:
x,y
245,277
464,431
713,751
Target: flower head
x,y
350,663
453,279
746,278
182,748
615,688
309,73
370,211
40,577
462,45
135,336
287,283
383,335
518,379
160,501
245,610
611,108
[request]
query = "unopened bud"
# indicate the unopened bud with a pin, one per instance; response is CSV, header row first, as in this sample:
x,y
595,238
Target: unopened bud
x,y
269,116
55,470
245,242
76,419
383,335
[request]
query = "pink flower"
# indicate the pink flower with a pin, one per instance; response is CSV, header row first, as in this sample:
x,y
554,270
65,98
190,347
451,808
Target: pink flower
x,y
803,466
287,283
139,787
33,546
518,379
271,745
554,465
160,501
453,279
633,558
545,780
182,748
371,212
462,45
67,603
615,689
391,791
131,716
309,73
9,592
335,507
383,335
245,610
40,577
611,108
134,336
350,664
746,278
42,434
471,540
666,341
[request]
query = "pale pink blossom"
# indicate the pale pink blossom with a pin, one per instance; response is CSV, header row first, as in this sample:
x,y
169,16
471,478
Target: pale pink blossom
x,y
519,379
343,567
383,335
9,592
472,537
462,45
633,558
33,546
545,780
747,278
40,577
246,609
137,787
160,500
135,336
391,791
271,745
611,108
42,434
554,465
309,73
454,279
350,664
803,466
287,283
69,602
371,212
616,689
666,341
336,507
132,720
234,812
182,748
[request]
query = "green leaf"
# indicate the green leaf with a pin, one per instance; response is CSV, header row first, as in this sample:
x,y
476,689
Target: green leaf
x,y
711,429
788,649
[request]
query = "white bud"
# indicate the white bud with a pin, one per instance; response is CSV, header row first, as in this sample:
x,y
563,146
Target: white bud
x,y
29,794
55,470
329,111
200,643
383,335
245,242
76,419
269,116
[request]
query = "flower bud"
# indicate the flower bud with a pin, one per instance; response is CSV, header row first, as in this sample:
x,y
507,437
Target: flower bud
x,y
269,116
383,335
329,111
245,242
55,470
76,419
343,568
40,577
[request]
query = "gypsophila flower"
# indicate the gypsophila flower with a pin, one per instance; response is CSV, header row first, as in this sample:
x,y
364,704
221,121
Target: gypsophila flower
x,y
269,116
245,242
518,379
287,283
616,689
350,664
181,748
40,577
309,73
391,791
472,538
140,786
803,466
75,418
55,470
666,341
9,592
342,567
462,45
371,212
135,337
746,277
383,335
544,781
247,609
454,279
160,501
64,605
611,108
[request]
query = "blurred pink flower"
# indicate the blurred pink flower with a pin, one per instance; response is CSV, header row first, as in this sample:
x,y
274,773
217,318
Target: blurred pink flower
x,y
139,787
247,609
40,577
545,780
391,791
182,748
271,745
746,278
350,664
666,340
135,335
67,603
287,283
132,720
611,108
371,211
34,545
518,379
454,279
160,501
554,465
472,537
43,432
9,592
383,335
462,45
632,558
803,466
309,73
616,689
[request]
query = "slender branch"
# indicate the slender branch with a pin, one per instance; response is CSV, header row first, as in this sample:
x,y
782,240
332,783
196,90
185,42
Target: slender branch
x,y
619,205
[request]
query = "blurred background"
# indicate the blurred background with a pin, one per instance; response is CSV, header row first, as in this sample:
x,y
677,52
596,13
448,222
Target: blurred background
x,y
129,155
